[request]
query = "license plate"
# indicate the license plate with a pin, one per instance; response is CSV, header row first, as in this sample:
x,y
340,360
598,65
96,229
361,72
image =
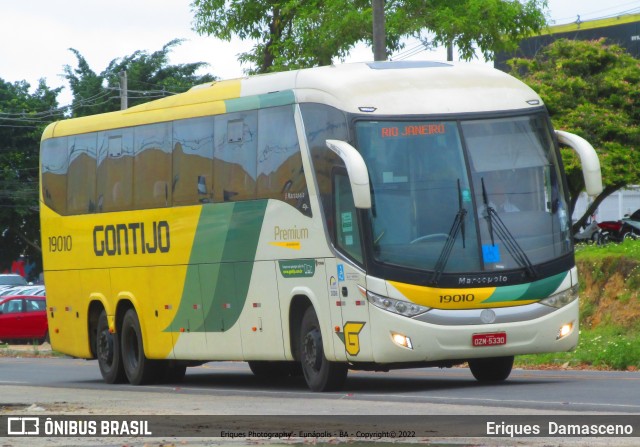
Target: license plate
x,y
489,339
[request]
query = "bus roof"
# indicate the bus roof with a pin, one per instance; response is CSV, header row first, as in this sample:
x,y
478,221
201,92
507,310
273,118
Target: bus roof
x,y
375,88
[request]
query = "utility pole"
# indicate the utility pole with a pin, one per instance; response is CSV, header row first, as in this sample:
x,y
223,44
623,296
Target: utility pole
x,y
124,99
379,33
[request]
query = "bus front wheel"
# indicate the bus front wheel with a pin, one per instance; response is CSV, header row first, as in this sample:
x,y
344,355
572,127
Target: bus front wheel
x,y
319,373
138,368
108,352
494,369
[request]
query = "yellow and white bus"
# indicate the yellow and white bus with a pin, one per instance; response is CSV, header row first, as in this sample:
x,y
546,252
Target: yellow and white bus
x,y
365,216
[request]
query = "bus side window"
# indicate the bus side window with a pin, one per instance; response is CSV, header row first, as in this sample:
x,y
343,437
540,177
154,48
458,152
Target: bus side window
x,y
152,166
322,122
234,164
55,161
192,180
81,177
346,218
280,173
115,170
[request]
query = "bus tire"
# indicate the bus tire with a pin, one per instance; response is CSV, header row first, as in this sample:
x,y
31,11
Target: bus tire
x,y
495,369
108,352
137,367
319,373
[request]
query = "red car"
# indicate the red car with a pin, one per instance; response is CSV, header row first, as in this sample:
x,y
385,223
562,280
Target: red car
x,y
23,318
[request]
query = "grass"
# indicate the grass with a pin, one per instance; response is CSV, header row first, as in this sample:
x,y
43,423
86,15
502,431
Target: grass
x,y
628,249
607,345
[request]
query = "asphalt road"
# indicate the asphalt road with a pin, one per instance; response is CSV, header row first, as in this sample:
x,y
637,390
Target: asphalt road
x,y
65,386
565,391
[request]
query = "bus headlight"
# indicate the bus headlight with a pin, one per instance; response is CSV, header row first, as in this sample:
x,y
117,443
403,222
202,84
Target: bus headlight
x,y
396,306
561,299
564,330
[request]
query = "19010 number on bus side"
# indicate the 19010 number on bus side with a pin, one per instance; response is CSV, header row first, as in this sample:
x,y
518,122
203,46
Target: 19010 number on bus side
x,y
461,298
60,243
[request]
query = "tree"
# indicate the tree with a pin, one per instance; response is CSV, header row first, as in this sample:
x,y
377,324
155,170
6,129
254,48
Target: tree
x,y
23,116
591,89
294,33
487,26
148,76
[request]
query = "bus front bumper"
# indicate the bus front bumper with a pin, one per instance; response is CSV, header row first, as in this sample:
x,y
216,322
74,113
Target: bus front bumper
x,y
398,339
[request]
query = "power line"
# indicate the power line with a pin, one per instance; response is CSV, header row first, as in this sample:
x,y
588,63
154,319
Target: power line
x,y
589,15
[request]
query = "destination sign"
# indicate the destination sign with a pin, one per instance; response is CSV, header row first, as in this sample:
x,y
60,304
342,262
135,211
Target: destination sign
x,y
412,130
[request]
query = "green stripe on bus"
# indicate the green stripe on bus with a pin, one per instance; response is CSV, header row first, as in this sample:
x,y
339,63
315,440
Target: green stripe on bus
x,y
536,290
260,101
220,267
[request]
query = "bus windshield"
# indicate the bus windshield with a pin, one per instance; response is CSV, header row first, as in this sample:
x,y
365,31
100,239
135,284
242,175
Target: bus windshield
x,y
461,196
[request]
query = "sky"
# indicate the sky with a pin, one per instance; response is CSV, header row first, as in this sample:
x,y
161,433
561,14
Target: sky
x,y
36,35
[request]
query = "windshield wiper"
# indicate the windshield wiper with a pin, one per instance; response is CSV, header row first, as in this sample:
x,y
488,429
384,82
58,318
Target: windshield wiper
x,y
456,227
495,222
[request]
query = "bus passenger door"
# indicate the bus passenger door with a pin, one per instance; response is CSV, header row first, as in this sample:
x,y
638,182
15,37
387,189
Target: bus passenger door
x,y
347,279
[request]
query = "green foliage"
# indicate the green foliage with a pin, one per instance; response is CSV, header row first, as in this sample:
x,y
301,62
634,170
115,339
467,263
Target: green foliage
x,y
23,116
487,26
628,249
606,347
295,34
591,89
148,76
609,327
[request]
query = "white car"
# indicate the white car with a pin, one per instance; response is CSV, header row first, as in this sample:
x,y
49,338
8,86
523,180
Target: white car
x,y
11,279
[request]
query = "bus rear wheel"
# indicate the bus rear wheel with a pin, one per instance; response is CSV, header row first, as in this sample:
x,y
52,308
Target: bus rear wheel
x,y
138,368
494,369
108,352
319,373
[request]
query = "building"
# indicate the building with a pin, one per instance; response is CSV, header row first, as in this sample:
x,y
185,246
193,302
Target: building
x,y
623,30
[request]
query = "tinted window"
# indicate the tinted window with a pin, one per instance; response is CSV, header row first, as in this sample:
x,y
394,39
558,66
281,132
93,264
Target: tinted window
x,y
12,306
322,123
421,195
152,166
81,178
516,174
54,160
115,170
35,305
193,162
346,218
236,139
280,172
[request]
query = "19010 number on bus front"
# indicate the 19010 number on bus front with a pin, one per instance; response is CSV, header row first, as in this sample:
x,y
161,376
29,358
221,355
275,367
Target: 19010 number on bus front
x,y
60,243
461,298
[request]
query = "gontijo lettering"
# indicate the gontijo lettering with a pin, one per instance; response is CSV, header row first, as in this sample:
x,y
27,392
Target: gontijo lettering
x,y
131,238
